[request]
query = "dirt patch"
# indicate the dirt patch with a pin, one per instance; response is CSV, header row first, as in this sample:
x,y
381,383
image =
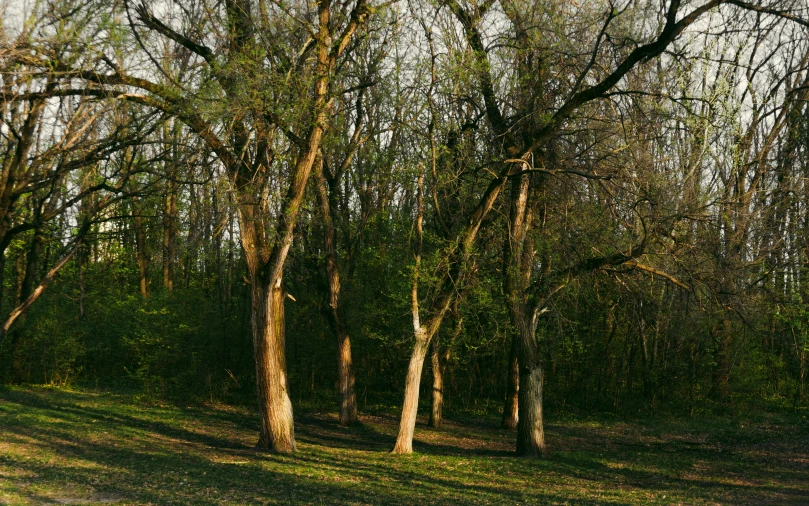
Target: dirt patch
x,y
93,499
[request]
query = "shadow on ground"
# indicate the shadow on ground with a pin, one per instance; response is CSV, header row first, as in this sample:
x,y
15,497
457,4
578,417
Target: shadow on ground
x,y
71,447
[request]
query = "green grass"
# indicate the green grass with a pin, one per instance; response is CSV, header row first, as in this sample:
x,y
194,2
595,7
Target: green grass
x,y
79,447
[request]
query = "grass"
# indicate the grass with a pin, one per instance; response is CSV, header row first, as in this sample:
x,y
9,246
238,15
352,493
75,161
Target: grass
x,y
61,446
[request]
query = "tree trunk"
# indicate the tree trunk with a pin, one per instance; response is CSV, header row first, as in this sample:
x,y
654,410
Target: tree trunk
x,y
19,275
530,428
169,234
437,404
439,361
336,312
31,262
407,425
348,397
518,263
82,259
2,277
410,407
511,407
275,408
140,247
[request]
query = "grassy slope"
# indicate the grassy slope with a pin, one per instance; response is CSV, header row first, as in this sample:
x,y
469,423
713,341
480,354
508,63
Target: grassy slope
x,y
75,447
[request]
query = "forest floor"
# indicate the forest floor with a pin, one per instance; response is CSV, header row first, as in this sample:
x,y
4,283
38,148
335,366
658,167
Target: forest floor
x,y
61,446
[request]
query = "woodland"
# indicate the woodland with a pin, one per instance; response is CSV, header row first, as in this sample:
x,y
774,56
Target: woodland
x,y
450,209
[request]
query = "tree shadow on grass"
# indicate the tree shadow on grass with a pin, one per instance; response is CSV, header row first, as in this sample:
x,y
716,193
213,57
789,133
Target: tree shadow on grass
x,y
197,456
179,477
378,434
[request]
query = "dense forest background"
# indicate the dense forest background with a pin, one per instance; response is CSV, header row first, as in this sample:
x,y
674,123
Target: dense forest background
x,y
623,186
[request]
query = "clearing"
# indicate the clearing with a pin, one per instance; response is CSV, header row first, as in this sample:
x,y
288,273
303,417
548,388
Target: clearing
x,y
60,446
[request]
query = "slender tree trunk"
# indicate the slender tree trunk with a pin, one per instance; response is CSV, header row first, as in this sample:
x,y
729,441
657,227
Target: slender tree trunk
x,y
275,408
169,234
82,256
348,397
440,359
336,312
2,277
511,407
437,404
140,249
31,262
19,275
407,425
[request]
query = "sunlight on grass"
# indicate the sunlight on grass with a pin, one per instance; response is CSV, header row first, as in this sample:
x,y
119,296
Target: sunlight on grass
x,y
75,447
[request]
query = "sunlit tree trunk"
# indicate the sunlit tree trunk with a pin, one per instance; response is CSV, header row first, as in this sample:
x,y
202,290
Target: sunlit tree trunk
x,y
422,335
437,391
277,429
407,424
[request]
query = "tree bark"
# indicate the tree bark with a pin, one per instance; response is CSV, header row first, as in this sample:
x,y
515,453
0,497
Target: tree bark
x,y
422,334
31,262
277,429
530,428
437,404
2,277
169,234
511,407
140,247
440,358
336,312
348,397
526,382
407,425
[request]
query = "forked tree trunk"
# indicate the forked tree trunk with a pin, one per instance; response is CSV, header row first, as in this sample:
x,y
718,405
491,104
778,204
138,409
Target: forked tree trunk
x,y
530,428
275,408
511,407
410,407
407,425
518,263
